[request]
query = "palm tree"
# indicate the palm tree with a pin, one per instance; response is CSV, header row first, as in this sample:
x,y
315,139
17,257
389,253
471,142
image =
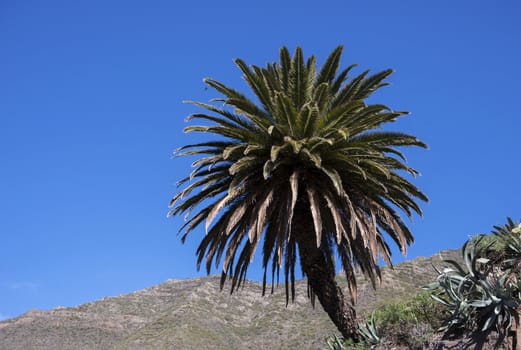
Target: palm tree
x,y
304,172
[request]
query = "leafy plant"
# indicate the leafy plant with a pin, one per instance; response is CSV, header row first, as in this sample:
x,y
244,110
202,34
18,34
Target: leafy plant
x,y
509,235
484,295
408,323
368,331
336,343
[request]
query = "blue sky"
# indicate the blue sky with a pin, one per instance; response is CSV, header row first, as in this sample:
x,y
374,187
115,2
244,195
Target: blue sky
x,y
91,109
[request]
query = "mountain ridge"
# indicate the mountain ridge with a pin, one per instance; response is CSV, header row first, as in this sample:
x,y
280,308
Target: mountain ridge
x,y
195,313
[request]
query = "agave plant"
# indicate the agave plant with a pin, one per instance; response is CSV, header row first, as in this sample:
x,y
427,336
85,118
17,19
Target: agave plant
x,y
451,289
500,304
456,288
335,343
303,173
482,297
507,229
369,332
509,236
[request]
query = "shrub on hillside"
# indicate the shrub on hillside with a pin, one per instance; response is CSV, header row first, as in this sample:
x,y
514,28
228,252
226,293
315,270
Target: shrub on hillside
x,y
410,323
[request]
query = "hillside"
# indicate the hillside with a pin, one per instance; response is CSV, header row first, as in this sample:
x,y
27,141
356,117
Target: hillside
x,y
194,314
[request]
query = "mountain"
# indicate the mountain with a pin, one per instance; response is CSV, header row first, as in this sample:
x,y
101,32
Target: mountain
x,y
195,314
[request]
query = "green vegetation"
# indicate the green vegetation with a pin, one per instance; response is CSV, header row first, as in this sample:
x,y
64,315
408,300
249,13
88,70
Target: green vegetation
x,y
479,298
369,332
484,295
336,343
305,170
410,323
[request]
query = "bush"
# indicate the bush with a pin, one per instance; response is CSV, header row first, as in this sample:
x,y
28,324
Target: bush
x,y
410,323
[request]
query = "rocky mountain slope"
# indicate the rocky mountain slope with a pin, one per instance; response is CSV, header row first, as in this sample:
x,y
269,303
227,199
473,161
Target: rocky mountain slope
x,y
195,314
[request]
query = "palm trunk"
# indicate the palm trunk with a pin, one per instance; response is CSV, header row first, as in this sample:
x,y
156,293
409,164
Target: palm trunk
x,y
320,272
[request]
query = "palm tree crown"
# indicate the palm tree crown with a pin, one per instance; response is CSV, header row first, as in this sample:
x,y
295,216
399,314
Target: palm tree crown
x,y
310,149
